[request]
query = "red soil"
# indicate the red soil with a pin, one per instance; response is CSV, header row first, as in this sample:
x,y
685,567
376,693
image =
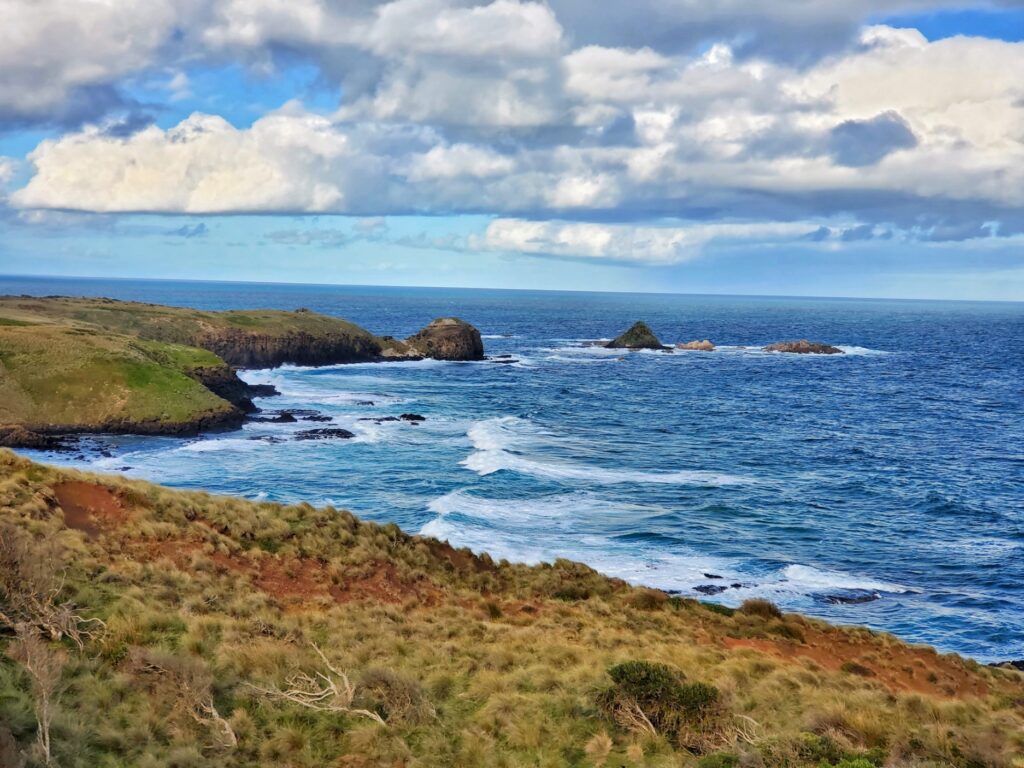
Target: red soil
x,y
89,508
296,582
898,668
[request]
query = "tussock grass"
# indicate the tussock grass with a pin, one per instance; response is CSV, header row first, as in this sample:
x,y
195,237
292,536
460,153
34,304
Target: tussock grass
x,y
466,661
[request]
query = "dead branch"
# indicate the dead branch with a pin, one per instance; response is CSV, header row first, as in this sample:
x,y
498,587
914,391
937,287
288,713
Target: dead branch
x,y
324,691
30,589
192,684
44,665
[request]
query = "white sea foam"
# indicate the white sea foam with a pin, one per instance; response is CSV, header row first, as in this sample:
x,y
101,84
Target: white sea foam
x,y
806,578
579,508
503,444
222,444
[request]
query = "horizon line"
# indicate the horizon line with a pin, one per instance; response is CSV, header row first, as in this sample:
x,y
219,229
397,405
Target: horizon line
x,y
4,276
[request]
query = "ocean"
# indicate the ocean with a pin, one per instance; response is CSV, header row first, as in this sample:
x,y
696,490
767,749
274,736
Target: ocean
x,y
883,487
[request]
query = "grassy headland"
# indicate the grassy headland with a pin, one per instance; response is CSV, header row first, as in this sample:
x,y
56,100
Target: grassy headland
x,y
99,365
164,628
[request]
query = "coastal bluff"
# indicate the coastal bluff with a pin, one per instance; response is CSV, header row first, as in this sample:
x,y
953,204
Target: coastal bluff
x,y
83,365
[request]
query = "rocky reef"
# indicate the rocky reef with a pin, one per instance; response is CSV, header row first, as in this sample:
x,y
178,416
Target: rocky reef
x,y
697,346
803,347
639,336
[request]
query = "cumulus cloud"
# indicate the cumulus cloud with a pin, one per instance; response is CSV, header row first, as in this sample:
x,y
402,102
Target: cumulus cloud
x,y
529,110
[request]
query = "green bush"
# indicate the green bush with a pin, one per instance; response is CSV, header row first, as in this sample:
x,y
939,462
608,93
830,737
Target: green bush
x,y
724,610
657,691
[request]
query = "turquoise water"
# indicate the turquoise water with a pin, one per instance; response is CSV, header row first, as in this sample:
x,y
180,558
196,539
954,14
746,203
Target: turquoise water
x,y
892,476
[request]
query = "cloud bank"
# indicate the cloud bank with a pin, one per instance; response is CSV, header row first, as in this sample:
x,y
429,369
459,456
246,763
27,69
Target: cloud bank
x,y
744,123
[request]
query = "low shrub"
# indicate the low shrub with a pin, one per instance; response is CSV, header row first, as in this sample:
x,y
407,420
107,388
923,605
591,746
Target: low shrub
x,y
766,609
649,696
724,610
395,697
647,599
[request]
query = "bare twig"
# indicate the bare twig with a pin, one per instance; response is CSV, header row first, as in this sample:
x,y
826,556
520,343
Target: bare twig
x,y
329,691
44,665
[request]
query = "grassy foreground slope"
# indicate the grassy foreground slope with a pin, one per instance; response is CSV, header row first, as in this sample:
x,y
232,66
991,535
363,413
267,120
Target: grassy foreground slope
x,y
149,627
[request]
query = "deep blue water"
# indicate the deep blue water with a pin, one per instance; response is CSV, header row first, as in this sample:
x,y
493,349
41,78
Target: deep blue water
x,y
895,471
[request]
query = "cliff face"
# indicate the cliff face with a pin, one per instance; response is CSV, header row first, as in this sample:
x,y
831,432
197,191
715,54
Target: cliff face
x,y
448,338
249,349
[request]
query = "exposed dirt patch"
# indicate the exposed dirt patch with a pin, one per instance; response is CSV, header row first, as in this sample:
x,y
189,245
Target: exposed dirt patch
x,y
898,668
461,560
383,584
90,508
294,581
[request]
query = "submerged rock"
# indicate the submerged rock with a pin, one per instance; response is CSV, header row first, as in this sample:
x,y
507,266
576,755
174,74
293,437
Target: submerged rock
x,y
639,336
710,589
804,347
697,346
412,417
327,433
284,417
1017,664
448,338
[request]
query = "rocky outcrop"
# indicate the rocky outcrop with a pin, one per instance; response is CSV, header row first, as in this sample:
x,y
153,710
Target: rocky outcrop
x,y
18,436
697,346
803,347
224,382
448,338
246,349
639,336
54,437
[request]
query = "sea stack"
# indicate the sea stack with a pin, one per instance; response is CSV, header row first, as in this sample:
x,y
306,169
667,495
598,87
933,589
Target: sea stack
x,y
639,336
804,347
448,338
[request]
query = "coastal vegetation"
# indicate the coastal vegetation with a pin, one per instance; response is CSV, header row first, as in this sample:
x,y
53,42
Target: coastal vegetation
x,y
141,626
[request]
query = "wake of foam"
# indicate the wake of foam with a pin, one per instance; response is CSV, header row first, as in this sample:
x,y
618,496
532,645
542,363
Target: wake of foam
x,y
503,443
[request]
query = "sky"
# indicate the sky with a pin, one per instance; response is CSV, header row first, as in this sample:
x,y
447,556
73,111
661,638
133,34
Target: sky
x,y
849,148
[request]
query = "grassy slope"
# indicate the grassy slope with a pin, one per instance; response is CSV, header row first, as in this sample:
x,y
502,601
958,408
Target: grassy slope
x,y
73,362
173,324
60,376
472,663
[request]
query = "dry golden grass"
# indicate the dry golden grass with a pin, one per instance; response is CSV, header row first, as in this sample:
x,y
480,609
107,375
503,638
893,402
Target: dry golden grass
x,y
466,661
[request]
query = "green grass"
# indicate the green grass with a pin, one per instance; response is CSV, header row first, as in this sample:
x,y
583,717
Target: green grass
x,y
58,377
469,662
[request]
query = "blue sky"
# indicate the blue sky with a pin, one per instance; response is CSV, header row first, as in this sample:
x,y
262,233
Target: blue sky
x,y
847,150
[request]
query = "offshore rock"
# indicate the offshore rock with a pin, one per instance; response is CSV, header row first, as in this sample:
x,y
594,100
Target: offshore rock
x,y
804,347
697,346
448,338
639,336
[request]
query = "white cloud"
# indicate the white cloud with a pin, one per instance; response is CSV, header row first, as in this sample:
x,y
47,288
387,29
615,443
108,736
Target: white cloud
x,y
604,242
